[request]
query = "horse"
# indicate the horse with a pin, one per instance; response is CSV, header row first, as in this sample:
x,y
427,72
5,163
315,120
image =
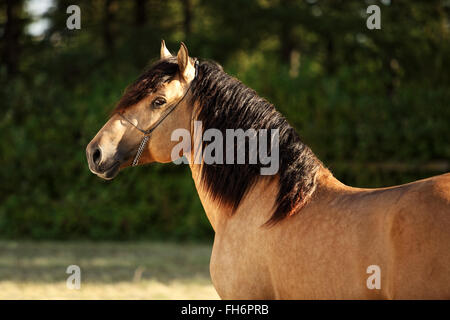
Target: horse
x,y
299,233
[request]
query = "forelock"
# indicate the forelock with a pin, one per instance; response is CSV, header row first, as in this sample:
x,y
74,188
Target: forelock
x,y
159,73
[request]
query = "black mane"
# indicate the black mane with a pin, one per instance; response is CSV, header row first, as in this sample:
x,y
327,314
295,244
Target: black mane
x,y
226,103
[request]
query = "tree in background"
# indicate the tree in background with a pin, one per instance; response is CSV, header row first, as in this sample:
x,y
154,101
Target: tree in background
x,y
12,35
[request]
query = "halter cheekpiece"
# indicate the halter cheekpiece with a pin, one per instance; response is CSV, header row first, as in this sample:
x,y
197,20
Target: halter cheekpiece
x,y
148,132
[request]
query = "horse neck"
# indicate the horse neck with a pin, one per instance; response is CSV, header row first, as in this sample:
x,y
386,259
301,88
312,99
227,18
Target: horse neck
x,y
209,205
257,206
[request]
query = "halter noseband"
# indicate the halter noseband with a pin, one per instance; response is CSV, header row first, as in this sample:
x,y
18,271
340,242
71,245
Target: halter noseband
x,y
148,132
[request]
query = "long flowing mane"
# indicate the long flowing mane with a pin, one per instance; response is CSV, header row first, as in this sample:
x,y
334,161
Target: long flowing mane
x,y
226,103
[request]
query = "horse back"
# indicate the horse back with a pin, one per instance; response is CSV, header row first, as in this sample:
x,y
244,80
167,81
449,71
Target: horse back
x,y
418,239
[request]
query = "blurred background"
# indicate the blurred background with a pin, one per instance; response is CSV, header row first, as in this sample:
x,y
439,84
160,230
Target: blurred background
x,y
374,105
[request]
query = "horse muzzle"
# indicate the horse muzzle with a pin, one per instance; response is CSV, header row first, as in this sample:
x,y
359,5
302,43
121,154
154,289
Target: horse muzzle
x,y
103,166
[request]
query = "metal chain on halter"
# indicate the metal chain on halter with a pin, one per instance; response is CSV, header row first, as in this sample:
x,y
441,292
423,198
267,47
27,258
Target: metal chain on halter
x,y
140,150
148,132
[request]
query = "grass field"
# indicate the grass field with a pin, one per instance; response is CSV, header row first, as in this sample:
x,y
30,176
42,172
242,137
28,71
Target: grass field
x,y
37,270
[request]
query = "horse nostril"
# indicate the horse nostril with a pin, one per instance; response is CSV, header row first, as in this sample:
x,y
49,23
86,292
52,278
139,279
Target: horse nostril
x,y
96,156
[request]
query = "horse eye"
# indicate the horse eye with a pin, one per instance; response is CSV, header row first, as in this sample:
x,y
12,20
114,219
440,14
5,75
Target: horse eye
x,y
158,102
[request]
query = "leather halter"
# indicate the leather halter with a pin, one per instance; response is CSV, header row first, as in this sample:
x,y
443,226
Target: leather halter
x,y
148,132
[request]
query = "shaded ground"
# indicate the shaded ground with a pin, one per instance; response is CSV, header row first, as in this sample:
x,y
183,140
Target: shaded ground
x,y
37,270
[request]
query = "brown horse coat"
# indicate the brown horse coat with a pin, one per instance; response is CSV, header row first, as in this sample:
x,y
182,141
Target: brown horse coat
x,y
330,241
324,251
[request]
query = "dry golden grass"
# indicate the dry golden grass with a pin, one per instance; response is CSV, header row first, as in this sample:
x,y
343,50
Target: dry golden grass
x,y
37,270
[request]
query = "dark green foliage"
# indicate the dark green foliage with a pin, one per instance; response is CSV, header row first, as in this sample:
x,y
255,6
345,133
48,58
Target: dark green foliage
x,y
373,105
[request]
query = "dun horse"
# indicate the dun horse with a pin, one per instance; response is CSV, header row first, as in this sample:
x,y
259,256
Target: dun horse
x,y
298,234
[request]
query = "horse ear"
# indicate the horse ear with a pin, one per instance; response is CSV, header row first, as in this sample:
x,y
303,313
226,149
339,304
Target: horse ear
x,y
165,53
187,69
